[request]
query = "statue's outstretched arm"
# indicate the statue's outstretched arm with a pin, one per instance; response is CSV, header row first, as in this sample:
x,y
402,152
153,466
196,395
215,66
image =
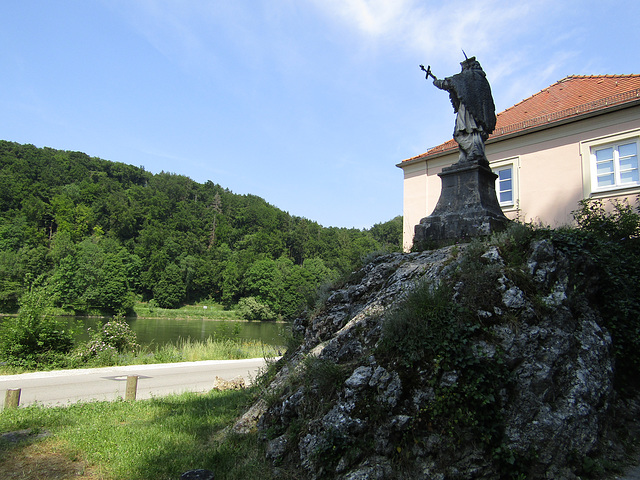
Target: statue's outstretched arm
x,y
443,84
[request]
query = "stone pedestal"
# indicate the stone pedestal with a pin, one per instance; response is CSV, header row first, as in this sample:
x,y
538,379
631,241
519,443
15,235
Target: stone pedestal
x,y
468,206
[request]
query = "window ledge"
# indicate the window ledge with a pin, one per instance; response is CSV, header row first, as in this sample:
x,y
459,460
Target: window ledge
x,y
615,191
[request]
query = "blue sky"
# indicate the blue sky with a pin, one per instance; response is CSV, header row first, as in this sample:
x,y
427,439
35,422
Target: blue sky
x,y
309,104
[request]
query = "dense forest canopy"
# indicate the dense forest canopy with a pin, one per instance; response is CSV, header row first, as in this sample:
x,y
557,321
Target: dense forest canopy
x,y
100,235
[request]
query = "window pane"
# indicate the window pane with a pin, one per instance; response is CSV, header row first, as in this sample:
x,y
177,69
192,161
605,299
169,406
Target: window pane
x,y
504,174
629,163
605,167
506,196
629,149
629,177
604,154
606,180
505,185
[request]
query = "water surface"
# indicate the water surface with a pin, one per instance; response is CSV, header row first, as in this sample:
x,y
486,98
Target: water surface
x,y
160,331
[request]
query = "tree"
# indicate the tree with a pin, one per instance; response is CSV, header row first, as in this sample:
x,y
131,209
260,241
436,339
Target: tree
x,y
170,291
101,232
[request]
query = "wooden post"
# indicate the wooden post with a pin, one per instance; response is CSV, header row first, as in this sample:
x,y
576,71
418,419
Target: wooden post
x,y
12,399
132,387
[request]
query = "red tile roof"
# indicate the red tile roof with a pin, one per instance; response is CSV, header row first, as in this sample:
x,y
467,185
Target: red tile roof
x,y
572,96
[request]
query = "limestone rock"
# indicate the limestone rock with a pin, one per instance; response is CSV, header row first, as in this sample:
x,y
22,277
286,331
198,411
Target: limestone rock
x,y
372,412
237,383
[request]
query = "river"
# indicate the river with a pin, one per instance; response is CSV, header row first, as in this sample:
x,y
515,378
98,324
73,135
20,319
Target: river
x,y
160,331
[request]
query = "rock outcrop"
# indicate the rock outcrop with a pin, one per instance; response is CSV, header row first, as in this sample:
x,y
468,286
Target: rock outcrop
x,y
519,385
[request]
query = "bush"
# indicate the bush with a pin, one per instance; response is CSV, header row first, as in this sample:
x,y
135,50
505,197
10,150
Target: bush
x,y
618,224
34,337
605,251
251,309
108,341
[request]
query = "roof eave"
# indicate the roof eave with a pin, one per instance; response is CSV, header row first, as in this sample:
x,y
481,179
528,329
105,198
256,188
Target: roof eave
x,y
537,128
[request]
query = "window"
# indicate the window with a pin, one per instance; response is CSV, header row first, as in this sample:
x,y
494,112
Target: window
x,y
504,185
615,165
507,182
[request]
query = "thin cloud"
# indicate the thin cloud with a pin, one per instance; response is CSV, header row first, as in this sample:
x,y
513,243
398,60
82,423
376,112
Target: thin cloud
x,y
433,28
493,30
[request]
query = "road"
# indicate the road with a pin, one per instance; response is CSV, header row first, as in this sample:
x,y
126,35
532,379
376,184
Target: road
x,y
69,386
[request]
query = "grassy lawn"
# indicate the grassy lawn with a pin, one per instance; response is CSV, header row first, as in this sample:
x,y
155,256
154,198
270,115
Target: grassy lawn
x,y
156,439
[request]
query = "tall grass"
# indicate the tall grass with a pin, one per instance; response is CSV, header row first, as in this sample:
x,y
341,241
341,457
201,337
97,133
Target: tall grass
x,y
154,439
186,350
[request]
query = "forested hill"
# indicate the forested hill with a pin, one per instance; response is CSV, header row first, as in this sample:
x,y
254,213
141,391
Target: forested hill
x,y
99,235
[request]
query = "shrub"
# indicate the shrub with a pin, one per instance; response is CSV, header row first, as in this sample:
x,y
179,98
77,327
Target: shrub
x,y
109,340
605,251
620,223
251,309
34,337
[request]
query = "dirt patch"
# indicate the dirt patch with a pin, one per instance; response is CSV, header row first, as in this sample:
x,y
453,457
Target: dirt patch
x,y
22,459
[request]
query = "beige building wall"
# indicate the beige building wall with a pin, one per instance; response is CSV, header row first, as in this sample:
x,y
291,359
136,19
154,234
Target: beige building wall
x,y
552,171
414,200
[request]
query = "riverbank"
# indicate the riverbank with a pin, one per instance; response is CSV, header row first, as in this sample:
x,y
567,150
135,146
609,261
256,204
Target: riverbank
x,y
147,310
206,311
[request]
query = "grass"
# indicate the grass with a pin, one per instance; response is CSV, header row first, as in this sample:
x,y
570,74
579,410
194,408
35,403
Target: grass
x,y
213,311
160,438
186,350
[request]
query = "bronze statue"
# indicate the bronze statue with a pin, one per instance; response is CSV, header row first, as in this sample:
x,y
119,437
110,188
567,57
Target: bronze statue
x,y
471,98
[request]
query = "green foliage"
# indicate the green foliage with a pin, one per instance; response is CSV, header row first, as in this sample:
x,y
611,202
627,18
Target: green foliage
x,y
621,223
105,233
34,337
429,332
605,252
250,308
426,323
111,338
389,234
96,273
162,438
170,289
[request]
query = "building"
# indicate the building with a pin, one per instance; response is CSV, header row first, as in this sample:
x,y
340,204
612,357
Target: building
x,y
577,139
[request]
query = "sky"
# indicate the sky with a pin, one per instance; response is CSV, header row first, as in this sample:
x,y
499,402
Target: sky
x,y
309,104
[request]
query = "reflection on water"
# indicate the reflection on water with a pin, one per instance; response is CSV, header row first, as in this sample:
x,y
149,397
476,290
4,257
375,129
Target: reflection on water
x,y
160,331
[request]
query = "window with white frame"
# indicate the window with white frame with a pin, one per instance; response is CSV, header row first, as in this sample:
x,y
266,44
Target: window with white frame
x,y
507,182
504,185
615,165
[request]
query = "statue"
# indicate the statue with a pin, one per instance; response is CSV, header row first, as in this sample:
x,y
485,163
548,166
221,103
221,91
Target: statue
x,y
468,205
471,98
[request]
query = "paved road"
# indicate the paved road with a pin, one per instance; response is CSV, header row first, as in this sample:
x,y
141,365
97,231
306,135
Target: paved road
x,y
68,386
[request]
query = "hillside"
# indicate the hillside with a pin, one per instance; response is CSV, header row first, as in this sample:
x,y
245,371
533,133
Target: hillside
x,y
100,235
515,357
